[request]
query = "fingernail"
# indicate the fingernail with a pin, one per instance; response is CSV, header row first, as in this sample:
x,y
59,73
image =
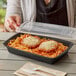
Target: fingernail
x,y
18,24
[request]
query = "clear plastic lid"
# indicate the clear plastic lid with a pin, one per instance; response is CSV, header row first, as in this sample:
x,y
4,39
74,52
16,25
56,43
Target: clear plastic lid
x,y
48,29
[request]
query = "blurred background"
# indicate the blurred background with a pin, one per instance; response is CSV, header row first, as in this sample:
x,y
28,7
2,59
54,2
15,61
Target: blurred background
x,y
75,10
3,6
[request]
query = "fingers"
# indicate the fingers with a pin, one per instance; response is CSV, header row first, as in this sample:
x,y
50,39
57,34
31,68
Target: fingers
x,y
7,28
18,20
12,23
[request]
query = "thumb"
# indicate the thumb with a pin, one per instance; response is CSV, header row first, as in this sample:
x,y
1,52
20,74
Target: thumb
x,y
18,20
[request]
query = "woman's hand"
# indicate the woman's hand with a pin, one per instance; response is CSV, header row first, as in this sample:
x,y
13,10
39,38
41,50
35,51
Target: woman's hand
x,y
12,23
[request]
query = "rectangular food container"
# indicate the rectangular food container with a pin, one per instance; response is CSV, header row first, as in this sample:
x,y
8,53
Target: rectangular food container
x,y
35,56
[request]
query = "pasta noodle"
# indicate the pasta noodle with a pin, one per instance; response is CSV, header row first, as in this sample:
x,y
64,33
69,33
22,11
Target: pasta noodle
x,y
16,43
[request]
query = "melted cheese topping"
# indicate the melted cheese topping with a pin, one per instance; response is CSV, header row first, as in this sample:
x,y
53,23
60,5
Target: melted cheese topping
x,y
48,45
31,41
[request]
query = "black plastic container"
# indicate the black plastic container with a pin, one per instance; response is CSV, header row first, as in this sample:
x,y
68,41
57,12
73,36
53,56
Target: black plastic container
x,y
35,56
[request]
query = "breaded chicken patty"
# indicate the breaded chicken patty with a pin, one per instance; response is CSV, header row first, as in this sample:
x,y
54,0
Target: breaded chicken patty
x,y
31,41
48,45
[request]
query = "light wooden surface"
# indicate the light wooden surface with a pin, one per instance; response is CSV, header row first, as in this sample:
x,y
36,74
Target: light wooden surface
x,y
9,62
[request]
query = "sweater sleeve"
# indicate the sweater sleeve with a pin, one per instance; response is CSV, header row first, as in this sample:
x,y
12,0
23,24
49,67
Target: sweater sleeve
x,y
13,7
